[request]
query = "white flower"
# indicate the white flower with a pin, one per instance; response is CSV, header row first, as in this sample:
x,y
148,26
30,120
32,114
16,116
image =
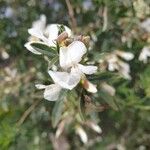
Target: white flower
x,y
114,63
62,80
49,34
71,56
145,53
146,25
51,92
43,34
69,59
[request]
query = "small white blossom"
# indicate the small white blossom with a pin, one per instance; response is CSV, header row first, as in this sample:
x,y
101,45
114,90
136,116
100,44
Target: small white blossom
x,y
145,53
40,33
115,63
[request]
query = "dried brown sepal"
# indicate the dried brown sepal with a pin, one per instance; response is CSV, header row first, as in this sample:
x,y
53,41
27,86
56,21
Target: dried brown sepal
x,y
84,39
68,41
62,37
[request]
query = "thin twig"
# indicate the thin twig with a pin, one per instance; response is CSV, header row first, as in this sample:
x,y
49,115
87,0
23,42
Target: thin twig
x,y
27,112
71,14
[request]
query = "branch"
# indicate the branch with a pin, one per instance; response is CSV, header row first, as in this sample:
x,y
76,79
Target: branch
x,y
71,14
27,112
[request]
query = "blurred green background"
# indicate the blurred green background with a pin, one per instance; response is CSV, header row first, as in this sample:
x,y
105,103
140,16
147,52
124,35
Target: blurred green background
x,y
25,117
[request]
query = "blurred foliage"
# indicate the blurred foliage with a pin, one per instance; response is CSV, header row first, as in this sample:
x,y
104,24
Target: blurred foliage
x,y
25,117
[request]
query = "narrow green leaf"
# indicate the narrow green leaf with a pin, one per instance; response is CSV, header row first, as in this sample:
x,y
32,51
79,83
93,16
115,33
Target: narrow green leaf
x,y
44,49
61,28
81,107
146,108
108,99
101,76
58,109
53,61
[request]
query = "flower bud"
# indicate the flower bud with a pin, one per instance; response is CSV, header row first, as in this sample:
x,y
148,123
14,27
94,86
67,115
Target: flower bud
x,y
89,86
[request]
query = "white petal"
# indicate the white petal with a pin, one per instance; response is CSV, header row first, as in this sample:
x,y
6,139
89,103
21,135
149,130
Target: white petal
x,y
36,33
87,69
40,24
40,86
31,49
112,62
68,30
96,128
75,51
71,55
52,31
125,55
113,66
80,131
52,92
64,79
124,66
125,74
63,58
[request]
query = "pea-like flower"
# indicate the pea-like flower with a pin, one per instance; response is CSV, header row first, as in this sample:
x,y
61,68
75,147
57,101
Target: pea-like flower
x,y
40,33
114,63
69,59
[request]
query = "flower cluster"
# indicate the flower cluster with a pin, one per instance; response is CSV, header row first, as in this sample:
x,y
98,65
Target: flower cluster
x,y
112,62
70,52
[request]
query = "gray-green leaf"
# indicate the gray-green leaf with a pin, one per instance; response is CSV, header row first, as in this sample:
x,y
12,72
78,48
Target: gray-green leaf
x,y
45,49
58,109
